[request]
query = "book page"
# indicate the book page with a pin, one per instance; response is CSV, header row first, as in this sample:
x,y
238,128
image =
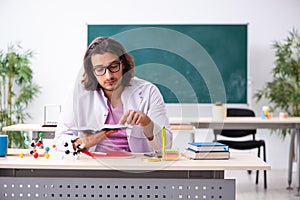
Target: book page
x,y
106,127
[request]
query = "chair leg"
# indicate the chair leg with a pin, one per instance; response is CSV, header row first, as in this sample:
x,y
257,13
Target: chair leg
x,y
265,171
257,171
290,166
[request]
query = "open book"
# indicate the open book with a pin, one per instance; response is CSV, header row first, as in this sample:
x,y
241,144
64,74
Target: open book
x,y
105,127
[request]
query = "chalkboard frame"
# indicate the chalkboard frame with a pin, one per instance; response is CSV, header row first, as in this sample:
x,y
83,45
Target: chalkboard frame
x,y
233,91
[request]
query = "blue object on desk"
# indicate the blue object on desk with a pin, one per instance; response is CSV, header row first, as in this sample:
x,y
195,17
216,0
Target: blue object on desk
x,y
263,116
3,145
208,146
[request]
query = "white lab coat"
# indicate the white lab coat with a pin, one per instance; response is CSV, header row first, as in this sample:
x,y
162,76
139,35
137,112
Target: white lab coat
x,y
89,108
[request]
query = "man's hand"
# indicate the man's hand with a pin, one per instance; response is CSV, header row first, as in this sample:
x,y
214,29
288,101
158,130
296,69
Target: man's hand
x,y
90,140
134,117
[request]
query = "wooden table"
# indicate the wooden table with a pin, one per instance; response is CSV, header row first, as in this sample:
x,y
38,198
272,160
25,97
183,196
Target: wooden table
x,y
259,123
29,127
65,177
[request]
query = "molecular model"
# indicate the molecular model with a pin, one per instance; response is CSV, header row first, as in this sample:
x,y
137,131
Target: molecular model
x,y
35,145
76,151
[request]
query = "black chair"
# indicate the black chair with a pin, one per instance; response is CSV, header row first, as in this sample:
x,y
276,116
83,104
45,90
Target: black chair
x,y
244,144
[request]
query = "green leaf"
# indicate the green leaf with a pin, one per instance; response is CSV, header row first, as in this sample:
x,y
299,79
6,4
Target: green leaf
x,y
283,92
16,72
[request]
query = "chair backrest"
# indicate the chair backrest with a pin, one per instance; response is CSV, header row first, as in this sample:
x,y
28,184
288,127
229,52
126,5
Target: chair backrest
x,y
238,112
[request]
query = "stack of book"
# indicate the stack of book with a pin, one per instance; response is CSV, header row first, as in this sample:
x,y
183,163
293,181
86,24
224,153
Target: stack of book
x,y
207,151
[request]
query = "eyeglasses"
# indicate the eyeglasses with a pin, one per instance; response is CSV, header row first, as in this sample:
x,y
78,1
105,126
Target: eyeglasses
x,y
114,67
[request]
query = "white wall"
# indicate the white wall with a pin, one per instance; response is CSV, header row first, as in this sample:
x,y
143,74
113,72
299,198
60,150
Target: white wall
x,y
56,30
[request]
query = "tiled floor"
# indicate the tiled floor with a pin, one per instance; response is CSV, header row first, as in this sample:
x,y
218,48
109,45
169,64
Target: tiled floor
x,y
277,184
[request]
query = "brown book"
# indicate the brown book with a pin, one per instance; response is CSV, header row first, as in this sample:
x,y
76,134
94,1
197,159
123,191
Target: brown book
x,y
181,127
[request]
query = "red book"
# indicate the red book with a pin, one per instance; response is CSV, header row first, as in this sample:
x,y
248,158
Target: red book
x,y
110,154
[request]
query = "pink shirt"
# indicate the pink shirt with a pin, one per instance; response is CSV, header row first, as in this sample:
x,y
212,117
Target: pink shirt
x,y
118,140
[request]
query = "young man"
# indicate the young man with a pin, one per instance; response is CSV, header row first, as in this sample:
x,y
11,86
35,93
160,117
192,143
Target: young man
x,y
110,94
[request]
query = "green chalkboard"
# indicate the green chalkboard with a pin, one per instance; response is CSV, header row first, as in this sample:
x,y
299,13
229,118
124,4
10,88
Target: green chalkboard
x,y
197,63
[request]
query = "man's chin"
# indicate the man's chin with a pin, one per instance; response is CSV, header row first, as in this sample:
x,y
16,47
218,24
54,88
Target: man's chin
x,y
111,88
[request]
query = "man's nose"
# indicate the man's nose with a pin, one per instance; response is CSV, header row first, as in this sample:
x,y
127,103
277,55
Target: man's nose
x,y
107,73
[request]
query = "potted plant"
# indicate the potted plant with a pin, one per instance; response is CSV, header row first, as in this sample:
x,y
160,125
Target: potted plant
x,y
17,90
283,92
